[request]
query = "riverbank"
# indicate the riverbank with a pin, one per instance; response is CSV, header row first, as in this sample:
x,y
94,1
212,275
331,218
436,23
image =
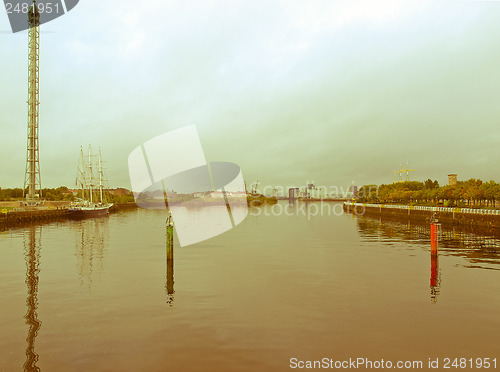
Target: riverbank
x,y
255,200
12,214
312,199
463,217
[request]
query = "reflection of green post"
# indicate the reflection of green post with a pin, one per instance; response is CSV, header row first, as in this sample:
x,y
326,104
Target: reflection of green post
x,y
170,255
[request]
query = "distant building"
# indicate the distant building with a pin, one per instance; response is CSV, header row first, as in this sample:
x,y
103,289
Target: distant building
x,y
452,179
354,190
293,193
74,191
229,194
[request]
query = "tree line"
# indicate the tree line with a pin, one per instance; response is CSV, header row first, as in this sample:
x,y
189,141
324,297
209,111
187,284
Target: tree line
x,y
63,194
473,193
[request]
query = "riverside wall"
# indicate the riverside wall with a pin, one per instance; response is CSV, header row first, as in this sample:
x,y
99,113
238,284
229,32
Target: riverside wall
x,y
13,217
29,215
463,217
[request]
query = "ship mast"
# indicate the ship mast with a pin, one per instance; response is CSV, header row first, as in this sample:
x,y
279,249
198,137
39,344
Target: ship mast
x,y
32,179
82,173
90,174
100,173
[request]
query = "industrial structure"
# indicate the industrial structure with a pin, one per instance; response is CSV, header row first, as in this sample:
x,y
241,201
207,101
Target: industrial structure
x,y
401,171
32,181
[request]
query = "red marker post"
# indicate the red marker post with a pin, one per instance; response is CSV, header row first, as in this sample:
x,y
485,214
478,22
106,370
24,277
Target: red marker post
x,y
434,236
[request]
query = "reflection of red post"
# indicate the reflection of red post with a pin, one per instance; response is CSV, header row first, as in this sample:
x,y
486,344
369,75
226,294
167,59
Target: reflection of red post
x,y
434,239
434,271
435,227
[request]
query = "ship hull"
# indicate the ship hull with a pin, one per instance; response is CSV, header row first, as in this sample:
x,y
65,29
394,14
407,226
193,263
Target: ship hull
x,y
81,213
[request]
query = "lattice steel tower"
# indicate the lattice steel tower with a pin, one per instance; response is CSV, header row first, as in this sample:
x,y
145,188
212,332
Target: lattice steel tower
x,y
32,180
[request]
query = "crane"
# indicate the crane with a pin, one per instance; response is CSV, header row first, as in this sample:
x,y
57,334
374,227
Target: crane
x,y
401,171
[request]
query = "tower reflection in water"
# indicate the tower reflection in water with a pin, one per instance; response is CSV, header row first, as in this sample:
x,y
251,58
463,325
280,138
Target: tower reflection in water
x,y
91,240
32,257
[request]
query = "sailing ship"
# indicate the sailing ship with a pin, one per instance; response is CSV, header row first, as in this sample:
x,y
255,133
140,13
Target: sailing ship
x,y
92,201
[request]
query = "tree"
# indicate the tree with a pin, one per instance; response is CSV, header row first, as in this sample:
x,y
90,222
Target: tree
x,y
430,184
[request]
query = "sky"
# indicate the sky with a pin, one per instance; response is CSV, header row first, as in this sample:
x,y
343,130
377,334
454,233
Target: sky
x,y
327,91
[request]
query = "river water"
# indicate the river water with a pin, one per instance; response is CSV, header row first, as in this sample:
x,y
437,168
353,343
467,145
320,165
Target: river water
x,y
277,289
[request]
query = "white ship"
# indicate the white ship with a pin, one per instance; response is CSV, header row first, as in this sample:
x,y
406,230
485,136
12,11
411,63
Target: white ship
x,y
91,202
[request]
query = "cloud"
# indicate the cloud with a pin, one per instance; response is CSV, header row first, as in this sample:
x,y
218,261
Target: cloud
x,y
290,90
